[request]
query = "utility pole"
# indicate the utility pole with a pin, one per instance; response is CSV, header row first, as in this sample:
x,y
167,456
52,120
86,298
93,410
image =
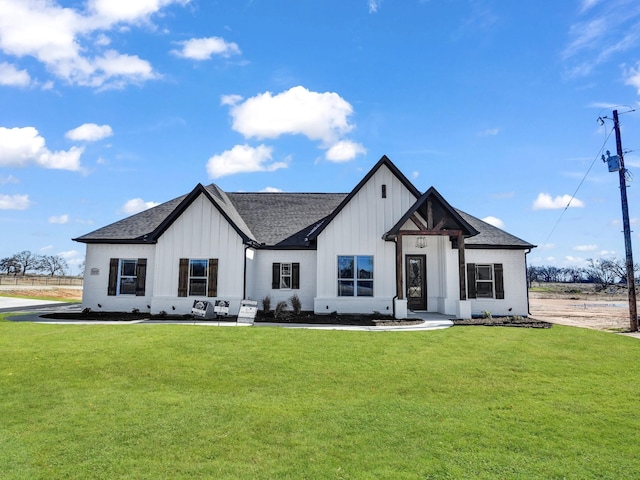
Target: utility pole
x,y
631,281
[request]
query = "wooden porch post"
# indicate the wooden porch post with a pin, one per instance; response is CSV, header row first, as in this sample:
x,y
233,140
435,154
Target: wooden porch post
x,y
462,271
399,286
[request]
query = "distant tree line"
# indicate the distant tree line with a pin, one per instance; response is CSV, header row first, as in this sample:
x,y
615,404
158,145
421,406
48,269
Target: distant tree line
x,y
28,262
602,272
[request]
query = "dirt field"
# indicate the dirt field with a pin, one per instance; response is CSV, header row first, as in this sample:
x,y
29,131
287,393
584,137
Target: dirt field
x,y
580,306
63,293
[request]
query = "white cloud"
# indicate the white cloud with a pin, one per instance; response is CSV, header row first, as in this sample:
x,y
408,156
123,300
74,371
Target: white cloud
x,y
69,42
22,146
69,254
10,76
242,159
46,248
89,132
374,5
136,205
205,48
110,12
271,190
606,29
344,150
489,132
9,179
14,202
585,248
633,77
496,222
415,174
297,111
59,219
546,202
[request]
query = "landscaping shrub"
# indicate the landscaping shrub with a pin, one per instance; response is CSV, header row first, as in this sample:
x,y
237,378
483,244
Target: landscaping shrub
x,y
296,304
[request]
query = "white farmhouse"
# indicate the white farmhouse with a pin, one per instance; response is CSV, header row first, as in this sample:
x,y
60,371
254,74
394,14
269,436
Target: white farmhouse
x,y
384,247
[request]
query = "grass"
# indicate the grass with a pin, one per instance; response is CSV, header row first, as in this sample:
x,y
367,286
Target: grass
x,y
166,401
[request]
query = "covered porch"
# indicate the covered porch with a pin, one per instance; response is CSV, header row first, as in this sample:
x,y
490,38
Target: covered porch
x,y
431,273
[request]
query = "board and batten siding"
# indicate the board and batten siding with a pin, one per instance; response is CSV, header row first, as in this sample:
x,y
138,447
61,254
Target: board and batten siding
x,y
259,282
358,230
515,300
201,232
96,277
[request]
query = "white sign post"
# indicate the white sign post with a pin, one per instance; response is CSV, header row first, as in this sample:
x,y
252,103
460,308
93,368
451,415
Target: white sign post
x,y
248,311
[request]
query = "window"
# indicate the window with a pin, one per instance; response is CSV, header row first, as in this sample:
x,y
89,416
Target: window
x,y
485,280
198,277
355,276
285,276
126,276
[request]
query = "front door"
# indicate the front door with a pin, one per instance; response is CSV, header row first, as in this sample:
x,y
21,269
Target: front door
x,y
416,282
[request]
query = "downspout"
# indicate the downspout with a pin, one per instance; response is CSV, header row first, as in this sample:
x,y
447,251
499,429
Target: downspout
x,y
526,278
244,274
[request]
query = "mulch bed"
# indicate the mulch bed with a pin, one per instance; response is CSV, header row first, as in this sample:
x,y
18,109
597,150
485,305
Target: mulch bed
x,y
303,317
503,322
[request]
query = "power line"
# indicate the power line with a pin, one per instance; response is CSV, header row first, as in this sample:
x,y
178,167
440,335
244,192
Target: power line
x,y
579,185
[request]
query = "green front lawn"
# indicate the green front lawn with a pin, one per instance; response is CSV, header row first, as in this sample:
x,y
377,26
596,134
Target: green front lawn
x,y
167,401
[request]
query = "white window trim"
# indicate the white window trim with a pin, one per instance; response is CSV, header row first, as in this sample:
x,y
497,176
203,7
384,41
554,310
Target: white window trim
x,y
121,262
194,277
490,281
283,275
355,278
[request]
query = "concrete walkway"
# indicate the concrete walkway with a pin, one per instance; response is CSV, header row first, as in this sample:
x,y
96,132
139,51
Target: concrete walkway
x,y
31,311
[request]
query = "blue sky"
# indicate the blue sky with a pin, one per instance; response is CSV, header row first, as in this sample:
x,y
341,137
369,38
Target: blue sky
x,y
112,106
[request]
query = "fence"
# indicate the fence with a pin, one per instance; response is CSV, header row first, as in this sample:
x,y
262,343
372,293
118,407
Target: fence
x,y
41,280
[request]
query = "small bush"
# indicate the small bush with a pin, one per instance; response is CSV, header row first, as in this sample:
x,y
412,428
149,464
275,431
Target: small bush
x,y
266,304
86,311
135,310
281,309
296,304
162,313
486,314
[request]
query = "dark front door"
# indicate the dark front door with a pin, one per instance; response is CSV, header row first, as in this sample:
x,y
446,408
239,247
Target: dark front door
x,y
416,282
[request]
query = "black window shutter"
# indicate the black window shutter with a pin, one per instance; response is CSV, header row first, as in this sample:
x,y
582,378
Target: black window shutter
x,y
471,280
295,276
183,277
113,276
212,284
141,277
499,280
275,276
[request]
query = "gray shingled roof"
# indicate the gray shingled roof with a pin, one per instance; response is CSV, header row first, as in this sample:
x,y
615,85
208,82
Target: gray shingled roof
x,y
271,219
490,236
135,227
284,219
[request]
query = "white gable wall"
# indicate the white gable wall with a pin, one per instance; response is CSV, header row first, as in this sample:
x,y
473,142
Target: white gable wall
x,y
94,291
358,230
201,232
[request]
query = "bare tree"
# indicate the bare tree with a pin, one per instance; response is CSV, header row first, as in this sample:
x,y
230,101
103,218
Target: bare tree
x,y
606,272
26,261
9,265
52,264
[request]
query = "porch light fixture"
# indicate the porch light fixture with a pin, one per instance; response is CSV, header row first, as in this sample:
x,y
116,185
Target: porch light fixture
x,y
421,242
